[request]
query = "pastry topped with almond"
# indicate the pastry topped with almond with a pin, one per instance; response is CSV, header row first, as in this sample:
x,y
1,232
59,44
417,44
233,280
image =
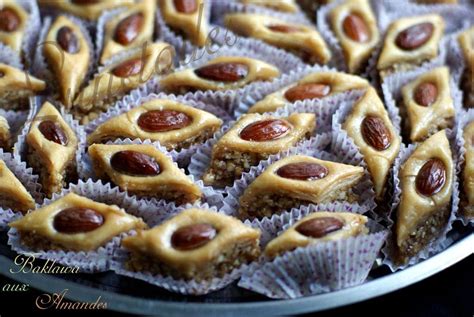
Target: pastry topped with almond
x,y
196,244
298,180
74,223
174,124
467,202
254,138
13,22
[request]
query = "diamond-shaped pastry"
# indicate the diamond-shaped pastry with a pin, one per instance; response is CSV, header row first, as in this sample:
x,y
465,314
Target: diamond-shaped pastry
x,y
74,223
196,244
254,138
221,73
302,40
427,104
52,147
298,180
16,86
116,80
5,134
313,86
372,131
13,21
143,170
68,54
466,41
409,42
280,5
317,228
426,181
13,194
468,172
172,123
129,29
355,27
185,16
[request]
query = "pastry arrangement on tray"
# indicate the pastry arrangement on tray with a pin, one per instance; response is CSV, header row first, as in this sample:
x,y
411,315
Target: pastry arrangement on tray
x,y
291,146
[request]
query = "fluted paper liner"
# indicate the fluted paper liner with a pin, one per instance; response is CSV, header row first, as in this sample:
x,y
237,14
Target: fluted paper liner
x,y
16,120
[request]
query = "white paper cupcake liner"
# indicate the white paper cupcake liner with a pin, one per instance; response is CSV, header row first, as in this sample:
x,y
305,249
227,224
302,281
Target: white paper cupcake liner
x,y
86,171
466,117
186,287
134,100
438,244
16,120
316,269
455,57
10,57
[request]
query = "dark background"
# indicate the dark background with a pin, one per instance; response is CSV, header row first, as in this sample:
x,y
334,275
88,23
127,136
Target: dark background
x,y
447,294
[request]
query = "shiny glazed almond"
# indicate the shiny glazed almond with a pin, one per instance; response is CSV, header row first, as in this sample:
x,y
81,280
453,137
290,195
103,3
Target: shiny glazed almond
x,y
193,236
134,163
9,20
425,94
185,6
128,68
265,130
163,120
375,133
128,29
303,171
355,28
431,177
53,132
226,72
307,91
415,36
319,227
67,40
77,220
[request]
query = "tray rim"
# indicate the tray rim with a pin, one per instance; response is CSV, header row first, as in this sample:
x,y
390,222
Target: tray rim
x,y
130,304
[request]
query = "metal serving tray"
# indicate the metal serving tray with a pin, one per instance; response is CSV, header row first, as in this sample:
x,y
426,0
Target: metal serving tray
x,y
133,296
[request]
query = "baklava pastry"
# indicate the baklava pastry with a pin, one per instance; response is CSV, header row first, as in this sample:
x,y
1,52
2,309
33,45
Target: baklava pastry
x,y
175,125
129,29
299,39
298,180
355,26
318,227
254,138
69,55
466,41
197,244
13,21
313,86
52,147
144,171
372,131
467,203
116,80
427,104
183,16
409,42
16,86
13,195
221,73
426,181
5,135
74,223
278,5
86,9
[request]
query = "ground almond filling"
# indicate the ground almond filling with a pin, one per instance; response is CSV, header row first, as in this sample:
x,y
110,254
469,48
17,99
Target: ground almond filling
x,y
8,201
15,99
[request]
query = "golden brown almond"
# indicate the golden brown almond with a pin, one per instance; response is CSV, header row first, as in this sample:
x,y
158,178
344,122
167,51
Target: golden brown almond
x,y
319,227
303,171
425,94
226,72
128,68
284,28
375,133
163,120
9,20
128,29
414,36
67,40
355,28
134,163
77,220
431,177
265,130
53,132
193,236
307,91
185,6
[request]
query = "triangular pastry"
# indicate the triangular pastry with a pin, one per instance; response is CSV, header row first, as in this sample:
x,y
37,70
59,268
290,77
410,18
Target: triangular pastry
x,y
13,194
13,21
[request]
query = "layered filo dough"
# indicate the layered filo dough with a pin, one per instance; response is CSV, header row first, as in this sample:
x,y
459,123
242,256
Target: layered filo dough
x,y
221,73
174,124
144,171
426,181
466,41
302,40
253,138
52,227
355,26
409,42
13,32
428,106
467,203
312,86
68,54
299,180
196,244
129,29
374,134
